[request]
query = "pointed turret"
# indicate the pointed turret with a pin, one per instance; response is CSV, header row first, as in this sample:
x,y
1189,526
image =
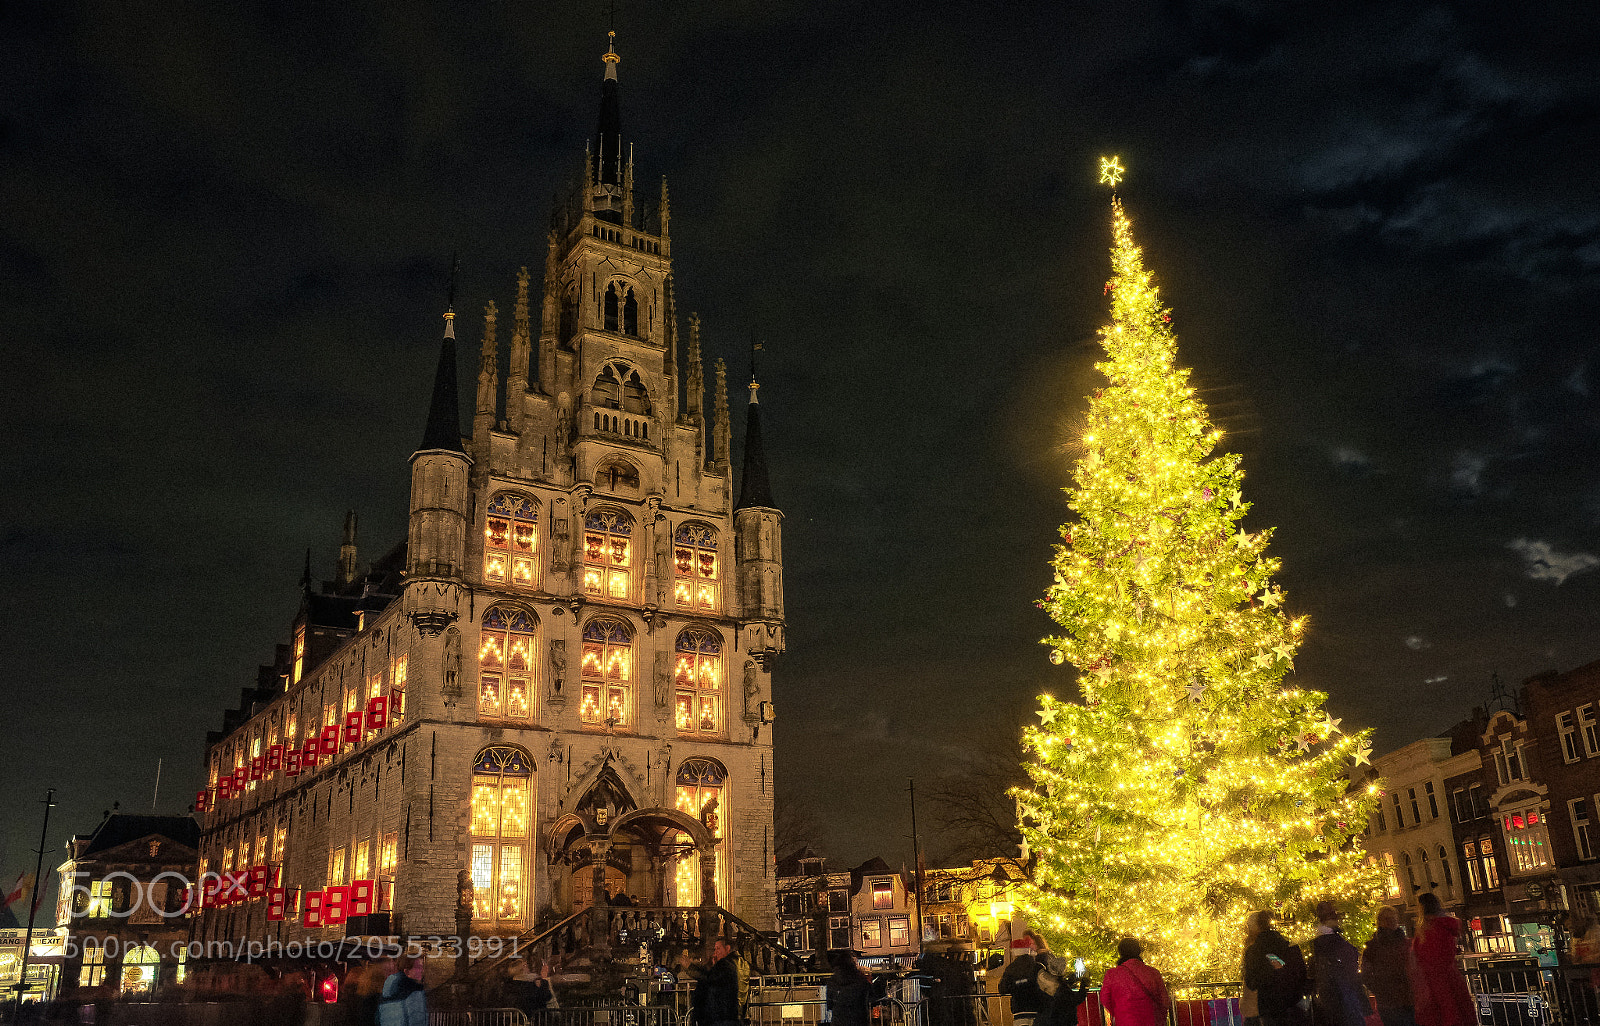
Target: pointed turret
x,y
755,492
669,320
666,218
550,315
488,369
436,539
444,412
722,461
697,390
521,354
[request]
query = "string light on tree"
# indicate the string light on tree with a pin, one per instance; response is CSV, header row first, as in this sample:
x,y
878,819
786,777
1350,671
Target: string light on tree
x,y
1193,784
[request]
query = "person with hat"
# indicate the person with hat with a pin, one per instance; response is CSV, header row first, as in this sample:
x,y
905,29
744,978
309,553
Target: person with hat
x,y
1133,992
1336,972
1021,982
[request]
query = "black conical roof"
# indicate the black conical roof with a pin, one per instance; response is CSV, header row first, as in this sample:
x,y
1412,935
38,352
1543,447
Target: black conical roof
x,y
754,488
444,412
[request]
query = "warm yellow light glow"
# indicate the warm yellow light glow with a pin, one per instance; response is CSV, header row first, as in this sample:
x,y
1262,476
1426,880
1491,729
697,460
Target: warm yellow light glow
x,y
1111,171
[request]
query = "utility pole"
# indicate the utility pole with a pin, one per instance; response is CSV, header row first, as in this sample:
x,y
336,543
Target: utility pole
x,y
33,904
916,855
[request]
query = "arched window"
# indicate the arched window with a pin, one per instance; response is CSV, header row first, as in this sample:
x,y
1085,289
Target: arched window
x,y
501,783
139,967
607,554
630,315
1411,873
699,682
1427,870
635,397
611,307
700,787
505,664
695,567
607,390
617,476
510,540
607,672
1444,863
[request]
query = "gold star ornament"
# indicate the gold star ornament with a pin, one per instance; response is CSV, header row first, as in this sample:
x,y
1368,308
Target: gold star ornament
x,y
1111,171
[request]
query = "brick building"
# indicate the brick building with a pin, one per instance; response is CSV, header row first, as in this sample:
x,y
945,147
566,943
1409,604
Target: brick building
x,y
559,685
814,915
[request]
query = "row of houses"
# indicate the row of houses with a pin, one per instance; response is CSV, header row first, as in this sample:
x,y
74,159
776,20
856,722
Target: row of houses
x,y
873,909
1500,817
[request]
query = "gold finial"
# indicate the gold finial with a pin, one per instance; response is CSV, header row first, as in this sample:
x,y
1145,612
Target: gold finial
x,y
1111,171
611,48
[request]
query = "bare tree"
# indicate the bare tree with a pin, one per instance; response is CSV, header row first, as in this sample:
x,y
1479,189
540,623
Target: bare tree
x,y
796,824
977,817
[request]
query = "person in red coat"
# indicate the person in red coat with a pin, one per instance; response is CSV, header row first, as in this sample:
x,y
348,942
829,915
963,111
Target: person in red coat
x,y
1443,998
1134,993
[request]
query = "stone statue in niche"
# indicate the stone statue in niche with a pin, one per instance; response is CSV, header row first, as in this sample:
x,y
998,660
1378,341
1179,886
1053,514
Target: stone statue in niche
x,y
752,687
560,535
452,664
663,679
558,664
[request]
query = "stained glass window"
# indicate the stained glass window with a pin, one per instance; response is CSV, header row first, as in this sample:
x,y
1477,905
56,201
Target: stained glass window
x,y
505,664
607,554
698,678
510,541
502,783
607,672
695,568
699,794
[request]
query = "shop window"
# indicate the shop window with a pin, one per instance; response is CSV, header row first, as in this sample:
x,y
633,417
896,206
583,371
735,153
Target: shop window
x,y
607,554
502,781
607,672
695,568
506,657
139,967
510,540
1527,840
698,679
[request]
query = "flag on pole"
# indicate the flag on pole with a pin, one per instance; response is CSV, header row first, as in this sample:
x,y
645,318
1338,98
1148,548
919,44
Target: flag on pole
x,y
18,889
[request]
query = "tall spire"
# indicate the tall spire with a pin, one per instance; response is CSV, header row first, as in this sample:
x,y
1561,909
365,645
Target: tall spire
x,y
444,412
754,488
608,135
696,373
669,319
521,351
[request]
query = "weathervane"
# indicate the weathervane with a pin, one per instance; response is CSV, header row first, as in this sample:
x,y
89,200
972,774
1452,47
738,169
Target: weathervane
x,y
1111,171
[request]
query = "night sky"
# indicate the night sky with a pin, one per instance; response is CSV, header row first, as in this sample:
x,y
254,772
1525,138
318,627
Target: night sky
x,y
225,235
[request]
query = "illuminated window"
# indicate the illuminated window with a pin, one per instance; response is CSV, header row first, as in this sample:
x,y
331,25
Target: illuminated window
x,y
93,972
1527,840
607,672
291,734
695,568
139,967
227,860
1491,871
699,794
698,678
397,691
387,854
375,686
872,933
363,861
607,554
299,653
100,899
280,841
899,931
882,894
261,851
501,783
505,664
255,752
336,867
1394,881
510,541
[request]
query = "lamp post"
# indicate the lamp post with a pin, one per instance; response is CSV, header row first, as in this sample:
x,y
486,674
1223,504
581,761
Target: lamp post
x,y
33,902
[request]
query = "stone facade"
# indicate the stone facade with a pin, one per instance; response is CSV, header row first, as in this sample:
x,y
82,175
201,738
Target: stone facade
x,y
562,681
1411,832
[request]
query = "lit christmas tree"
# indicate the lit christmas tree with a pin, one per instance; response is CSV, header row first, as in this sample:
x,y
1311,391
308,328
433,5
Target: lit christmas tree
x,y
1192,785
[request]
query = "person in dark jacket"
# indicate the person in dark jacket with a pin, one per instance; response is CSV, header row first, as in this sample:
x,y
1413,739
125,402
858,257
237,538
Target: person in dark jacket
x,y
1021,982
528,990
1276,971
1335,973
722,990
849,991
404,1001
1388,967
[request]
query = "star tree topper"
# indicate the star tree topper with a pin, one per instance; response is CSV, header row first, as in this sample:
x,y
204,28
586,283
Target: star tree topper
x,y
1111,171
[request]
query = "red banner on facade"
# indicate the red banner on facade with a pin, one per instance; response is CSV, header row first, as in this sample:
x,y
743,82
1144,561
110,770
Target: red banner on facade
x,y
241,776
378,713
352,727
274,758
258,767
275,902
200,801
335,906
308,754
329,745
360,898
313,916
259,879
291,762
